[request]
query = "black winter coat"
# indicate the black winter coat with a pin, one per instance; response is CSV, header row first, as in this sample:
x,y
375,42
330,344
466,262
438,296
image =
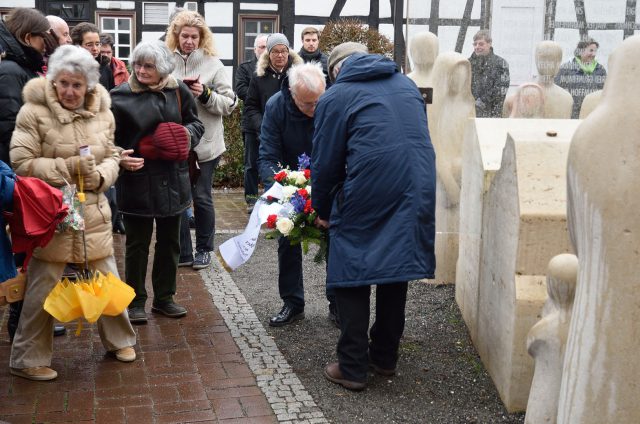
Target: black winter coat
x,y
317,56
161,188
489,83
264,84
578,83
243,78
20,64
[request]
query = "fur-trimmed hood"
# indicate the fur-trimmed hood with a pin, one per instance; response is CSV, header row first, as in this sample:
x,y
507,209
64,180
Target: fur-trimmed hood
x,y
40,91
263,62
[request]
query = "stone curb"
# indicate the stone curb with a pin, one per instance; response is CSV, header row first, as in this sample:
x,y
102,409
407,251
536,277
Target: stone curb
x,y
286,394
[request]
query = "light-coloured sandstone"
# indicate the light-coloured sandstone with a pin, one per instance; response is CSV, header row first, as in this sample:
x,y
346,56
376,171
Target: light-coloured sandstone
x,y
602,360
547,339
524,226
423,50
590,102
528,102
453,105
485,139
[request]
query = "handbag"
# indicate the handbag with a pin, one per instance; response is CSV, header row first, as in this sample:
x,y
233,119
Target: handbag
x,y
194,165
12,290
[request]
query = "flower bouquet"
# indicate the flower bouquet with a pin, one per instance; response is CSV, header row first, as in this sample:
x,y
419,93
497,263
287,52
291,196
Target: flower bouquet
x,y
296,218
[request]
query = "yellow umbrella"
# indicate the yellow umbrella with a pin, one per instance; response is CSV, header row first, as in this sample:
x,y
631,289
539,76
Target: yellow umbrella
x,y
121,295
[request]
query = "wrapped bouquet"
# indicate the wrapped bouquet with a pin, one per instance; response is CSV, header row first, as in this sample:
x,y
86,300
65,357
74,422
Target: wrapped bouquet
x,y
295,219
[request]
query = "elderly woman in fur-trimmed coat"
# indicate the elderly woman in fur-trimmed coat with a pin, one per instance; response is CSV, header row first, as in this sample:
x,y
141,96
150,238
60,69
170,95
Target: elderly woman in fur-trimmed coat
x,y
67,110
197,65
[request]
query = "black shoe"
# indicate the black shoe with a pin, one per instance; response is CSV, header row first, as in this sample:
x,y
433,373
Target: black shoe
x,y
169,309
333,315
185,261
192,222
287,315
137,315
59,330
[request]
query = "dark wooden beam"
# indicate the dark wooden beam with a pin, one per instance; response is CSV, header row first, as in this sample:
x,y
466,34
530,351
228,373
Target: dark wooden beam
x,y
629,18
374,14
549,19
288,19
466,18
397,9
581,18
337,9
485,14
433,16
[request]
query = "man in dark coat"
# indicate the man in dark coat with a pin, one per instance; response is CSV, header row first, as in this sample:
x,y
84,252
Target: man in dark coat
x,y
489,77
247,69
287,130
271,68
310,50
374,187
582,74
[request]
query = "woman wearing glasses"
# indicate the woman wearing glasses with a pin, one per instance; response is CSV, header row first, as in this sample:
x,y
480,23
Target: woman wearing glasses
x,y
87,36
156,125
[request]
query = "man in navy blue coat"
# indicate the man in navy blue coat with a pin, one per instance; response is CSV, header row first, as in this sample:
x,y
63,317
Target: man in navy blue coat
x,y
286,133
373,186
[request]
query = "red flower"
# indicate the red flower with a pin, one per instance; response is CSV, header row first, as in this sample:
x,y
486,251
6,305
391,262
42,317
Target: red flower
x,y
304,193
270,198
307,207
307,173
271,221
280,176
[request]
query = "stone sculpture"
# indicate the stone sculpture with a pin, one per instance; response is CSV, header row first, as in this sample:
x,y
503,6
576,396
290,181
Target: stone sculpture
x,y
423,49
453,105
589,103
558,102
602,360
528,102
547,339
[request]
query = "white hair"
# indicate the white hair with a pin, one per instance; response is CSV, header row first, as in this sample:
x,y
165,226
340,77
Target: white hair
x,y
307,75
157,52
75,60
259,37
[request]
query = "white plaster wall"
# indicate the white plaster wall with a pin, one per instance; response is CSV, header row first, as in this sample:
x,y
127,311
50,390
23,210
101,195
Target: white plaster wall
x,y
150,35
122,5
259,6
355,8
17,3
314,8
455,9
219,14
224,45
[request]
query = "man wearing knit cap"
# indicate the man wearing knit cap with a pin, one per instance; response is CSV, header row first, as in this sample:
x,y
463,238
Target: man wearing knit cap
x,y
374,189
271,68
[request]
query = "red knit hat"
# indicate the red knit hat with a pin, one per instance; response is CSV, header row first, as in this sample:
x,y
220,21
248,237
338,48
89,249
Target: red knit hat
x,y
172,141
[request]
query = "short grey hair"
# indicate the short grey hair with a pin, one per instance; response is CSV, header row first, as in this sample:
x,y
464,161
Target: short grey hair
x,y
156,52
260,37
308,75
75,60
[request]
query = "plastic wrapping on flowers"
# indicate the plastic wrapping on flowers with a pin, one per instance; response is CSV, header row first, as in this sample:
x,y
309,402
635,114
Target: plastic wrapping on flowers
x,y
296,220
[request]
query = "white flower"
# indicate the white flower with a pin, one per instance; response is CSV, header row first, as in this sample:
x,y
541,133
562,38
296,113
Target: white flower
x,y
284,225
308,188
298,178
287,192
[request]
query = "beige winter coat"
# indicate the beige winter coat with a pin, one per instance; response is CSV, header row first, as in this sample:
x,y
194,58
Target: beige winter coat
x,y
221,103
45,135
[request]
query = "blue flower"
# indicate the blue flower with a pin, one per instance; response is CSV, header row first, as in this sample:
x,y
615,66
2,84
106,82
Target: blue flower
x,y
298,202
304,162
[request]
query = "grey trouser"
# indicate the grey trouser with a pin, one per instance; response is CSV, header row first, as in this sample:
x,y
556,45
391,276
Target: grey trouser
x,y
33,342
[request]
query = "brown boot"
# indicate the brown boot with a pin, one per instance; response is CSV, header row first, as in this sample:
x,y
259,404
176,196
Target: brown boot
x,y
333,374
35,373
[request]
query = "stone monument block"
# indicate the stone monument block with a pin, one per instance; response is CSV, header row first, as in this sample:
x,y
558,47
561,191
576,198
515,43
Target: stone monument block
x,y
482,155
524,225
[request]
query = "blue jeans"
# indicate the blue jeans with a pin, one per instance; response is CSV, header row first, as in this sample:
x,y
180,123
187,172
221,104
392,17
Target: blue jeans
x,y
203,212
251,146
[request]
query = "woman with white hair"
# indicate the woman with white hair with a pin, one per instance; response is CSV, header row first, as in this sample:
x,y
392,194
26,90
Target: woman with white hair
x,y
156,123
197,64
63,112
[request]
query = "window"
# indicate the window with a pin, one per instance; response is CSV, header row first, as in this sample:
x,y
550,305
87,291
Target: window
x,y
4,12
73,12
250,27
121,27
155,13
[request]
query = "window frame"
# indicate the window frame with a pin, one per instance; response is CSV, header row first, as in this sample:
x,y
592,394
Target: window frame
x,y
242,17
119,14
144,3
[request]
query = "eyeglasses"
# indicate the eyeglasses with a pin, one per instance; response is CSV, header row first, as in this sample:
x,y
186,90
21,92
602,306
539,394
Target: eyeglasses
x,y
304,105
149,67
279,52
91,45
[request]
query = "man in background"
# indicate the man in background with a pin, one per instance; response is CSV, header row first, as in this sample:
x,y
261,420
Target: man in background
x,y
310,50
59,29
489,77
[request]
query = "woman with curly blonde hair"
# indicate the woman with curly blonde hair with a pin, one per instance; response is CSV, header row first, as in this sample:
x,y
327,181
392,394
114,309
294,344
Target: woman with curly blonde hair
x,y
189,37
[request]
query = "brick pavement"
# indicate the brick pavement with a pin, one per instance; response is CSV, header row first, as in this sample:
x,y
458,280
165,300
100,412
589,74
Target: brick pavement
x,y
188,370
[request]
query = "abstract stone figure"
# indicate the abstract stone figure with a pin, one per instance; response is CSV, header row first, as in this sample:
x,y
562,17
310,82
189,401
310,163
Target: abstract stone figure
x,y
528,102
452,107
602,364
557,101
547,339
589,103
423,49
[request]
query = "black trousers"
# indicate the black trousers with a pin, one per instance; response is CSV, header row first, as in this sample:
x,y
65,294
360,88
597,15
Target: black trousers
x,y
290,283
354,348
139,230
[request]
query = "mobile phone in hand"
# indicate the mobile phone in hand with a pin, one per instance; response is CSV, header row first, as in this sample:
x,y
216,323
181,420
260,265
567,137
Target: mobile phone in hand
x,y
189,81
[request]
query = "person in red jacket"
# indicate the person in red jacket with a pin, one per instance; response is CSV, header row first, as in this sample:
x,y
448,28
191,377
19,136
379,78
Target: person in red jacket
x,y
118,67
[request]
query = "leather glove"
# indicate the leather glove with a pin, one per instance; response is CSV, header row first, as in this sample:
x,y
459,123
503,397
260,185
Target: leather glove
x,y
85,164
172,140
92,181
